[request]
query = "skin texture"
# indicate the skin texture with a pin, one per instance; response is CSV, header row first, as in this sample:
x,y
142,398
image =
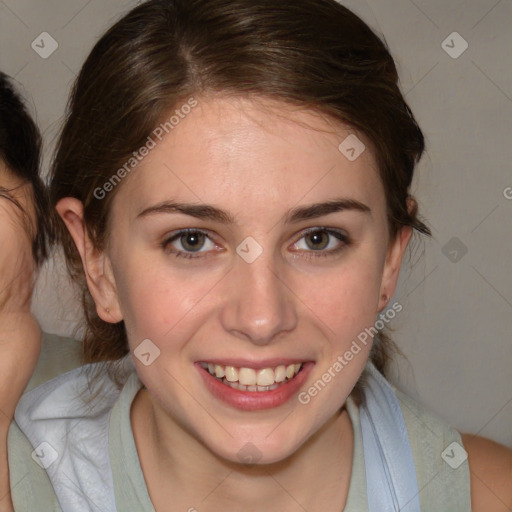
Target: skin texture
x,y
20,335
256,160
491,474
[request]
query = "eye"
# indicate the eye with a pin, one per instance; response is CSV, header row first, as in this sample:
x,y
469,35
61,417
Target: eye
x,y
319,239
190,240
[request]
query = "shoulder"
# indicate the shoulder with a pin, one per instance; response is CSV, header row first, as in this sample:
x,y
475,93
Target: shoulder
x,y
86,392
31,488
472,466
65,464
490,466
440,461
49,413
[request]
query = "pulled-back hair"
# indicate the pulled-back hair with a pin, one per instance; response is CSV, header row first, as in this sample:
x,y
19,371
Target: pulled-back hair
x,y
20,150
315,54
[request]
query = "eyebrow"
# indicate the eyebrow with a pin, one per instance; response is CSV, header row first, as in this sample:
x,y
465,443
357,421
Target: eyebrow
x,y
301,213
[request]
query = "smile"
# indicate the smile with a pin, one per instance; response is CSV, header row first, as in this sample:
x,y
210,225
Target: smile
x,y
251,379
253,389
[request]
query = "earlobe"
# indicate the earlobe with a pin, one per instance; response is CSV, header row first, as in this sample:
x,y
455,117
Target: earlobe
x,y
393,264
97,268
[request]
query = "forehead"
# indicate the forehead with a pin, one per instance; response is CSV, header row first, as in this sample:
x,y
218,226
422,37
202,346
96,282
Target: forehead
x,y
251,153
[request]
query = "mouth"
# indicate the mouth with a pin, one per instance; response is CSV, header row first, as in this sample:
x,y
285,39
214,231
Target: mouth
x,y
251,379
254,388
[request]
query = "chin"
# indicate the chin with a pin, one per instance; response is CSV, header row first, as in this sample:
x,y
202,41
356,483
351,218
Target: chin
x,y
258,447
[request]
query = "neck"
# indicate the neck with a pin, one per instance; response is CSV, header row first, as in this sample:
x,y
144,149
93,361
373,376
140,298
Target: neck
x,y
179,469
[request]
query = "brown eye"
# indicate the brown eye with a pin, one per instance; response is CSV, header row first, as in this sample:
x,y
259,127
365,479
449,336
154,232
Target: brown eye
x,y
188,243
192,241
319,240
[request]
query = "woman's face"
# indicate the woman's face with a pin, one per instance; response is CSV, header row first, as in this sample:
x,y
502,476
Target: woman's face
x,y
248,287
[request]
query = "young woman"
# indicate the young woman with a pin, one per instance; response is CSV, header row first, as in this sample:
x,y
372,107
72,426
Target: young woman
x,y
232,184
23,233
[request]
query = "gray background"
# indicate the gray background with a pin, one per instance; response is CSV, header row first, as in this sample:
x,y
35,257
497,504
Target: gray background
x,y
457,318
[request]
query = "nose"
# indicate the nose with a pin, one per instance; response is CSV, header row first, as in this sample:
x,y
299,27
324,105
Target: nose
x,y
259,306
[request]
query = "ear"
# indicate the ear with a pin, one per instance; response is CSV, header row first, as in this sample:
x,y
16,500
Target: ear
x,y
392,265
97,267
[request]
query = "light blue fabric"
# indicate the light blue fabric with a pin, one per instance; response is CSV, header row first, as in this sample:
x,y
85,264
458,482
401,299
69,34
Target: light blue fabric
x,y
391,481
69,434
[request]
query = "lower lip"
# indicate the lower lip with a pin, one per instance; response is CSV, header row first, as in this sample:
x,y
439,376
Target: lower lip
x,y
255,400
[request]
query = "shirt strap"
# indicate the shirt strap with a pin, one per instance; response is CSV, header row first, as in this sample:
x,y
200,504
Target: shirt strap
x,y
390,472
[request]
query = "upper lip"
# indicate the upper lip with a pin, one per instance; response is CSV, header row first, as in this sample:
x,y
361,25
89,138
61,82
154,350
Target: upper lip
x,y
238,362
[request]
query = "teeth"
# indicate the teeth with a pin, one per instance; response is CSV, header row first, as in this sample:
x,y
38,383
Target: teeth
x,y
249,379
247,376
231,373
280,373
266,377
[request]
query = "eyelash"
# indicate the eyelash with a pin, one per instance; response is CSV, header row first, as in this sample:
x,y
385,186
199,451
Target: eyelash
x,y
342,237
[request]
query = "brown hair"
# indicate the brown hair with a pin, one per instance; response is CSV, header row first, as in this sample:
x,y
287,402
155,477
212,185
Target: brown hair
x,y
315,54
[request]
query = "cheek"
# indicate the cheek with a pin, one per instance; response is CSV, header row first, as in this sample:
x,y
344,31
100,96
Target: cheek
x,y
347,305
346,299
155,299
